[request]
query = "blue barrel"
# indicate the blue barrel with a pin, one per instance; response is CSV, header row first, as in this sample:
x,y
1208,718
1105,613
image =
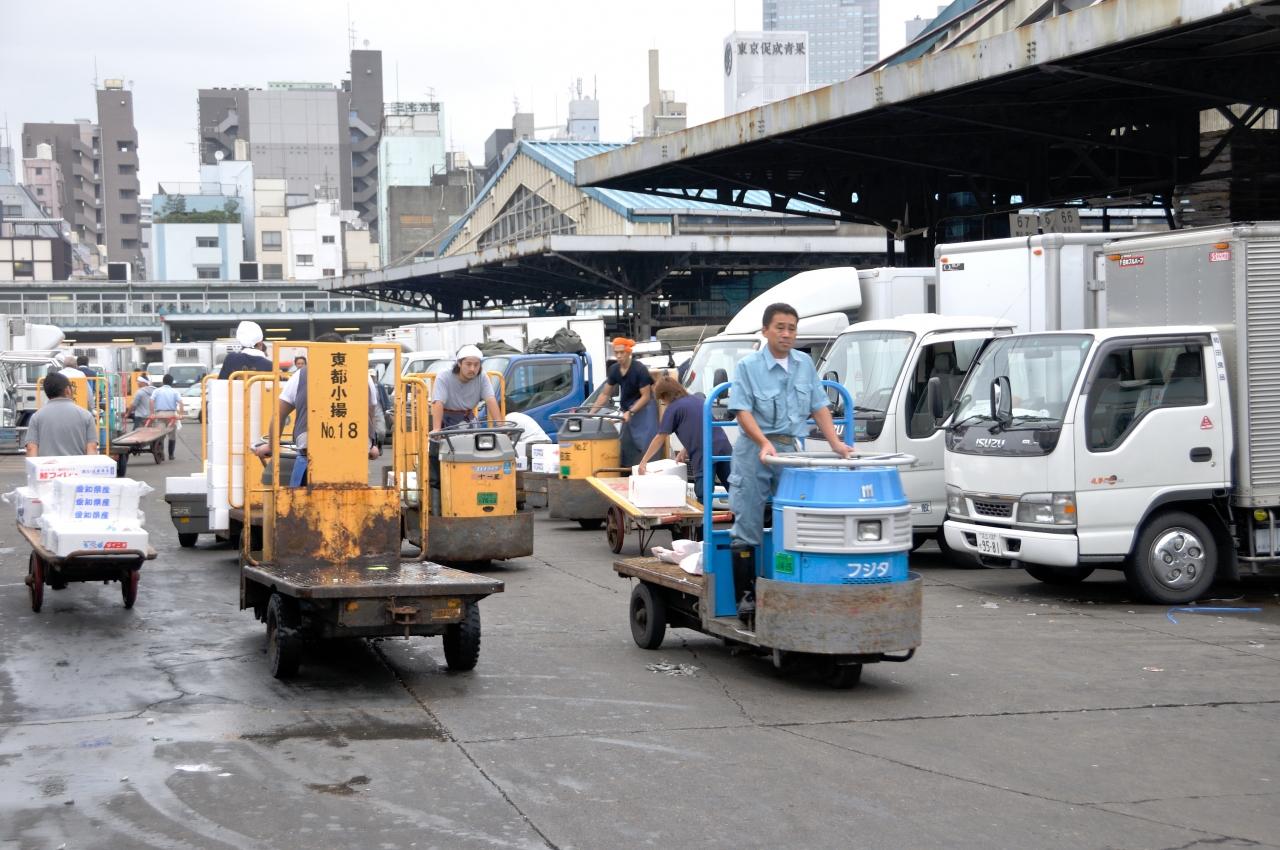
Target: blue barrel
x,y
840,526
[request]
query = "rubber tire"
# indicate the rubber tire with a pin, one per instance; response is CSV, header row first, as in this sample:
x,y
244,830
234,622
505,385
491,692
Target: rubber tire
x,y
648,616
284,651
157,450
187,539
129,587
841,677
462,641
1059,576
1138,571
35,572
615,529
590,524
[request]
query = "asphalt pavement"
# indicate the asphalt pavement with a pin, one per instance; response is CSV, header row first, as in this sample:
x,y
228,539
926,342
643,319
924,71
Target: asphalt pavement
x,y
1032,716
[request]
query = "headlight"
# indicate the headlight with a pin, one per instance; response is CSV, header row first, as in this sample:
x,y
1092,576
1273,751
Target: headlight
x,y
1047,508
956,505
486,442
868,530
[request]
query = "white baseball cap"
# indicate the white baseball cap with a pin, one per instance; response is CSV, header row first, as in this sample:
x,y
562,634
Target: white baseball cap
x,y
469,351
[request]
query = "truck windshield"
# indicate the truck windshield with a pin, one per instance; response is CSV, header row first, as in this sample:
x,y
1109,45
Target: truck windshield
x,y
185,376
713,363
868,363
1042,372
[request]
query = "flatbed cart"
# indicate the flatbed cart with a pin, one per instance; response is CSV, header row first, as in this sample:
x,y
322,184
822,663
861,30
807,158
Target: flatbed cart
x,y
624,517
57,571
832,589
149,439
329,563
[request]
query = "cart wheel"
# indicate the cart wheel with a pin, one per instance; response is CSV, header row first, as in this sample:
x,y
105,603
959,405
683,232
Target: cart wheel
x,y
615,529
462,641
129,587
35,581
284,650
841,676
648,616
157,450
590,524
187,539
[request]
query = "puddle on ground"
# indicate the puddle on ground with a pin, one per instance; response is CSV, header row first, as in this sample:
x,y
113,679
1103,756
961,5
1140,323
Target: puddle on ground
x,y
360,727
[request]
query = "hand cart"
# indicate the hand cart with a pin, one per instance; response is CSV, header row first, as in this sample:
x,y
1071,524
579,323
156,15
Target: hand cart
x,y
623,517
57,571
149,439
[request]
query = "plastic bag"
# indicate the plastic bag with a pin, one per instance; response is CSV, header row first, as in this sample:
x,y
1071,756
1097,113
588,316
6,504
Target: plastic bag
x,y
687,554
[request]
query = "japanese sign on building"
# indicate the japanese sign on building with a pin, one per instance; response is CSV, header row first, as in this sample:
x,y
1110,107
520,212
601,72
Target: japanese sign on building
x,y
762,67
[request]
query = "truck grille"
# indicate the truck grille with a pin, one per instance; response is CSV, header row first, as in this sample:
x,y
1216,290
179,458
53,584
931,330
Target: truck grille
x,y
995,510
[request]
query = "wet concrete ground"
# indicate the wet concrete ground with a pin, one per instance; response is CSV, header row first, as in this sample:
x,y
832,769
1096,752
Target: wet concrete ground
x,y
1032,717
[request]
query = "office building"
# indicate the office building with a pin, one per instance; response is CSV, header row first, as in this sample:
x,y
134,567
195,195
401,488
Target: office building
x,y
99,169
761,67
410,153
844,35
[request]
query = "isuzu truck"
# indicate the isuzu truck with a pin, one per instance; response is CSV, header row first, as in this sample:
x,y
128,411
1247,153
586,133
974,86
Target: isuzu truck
x,y
1151,446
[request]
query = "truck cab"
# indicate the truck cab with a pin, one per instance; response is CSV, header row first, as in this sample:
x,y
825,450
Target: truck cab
x,y
1068,451
887,367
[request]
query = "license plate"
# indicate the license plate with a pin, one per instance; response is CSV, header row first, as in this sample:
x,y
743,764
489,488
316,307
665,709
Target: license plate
x,y
989,544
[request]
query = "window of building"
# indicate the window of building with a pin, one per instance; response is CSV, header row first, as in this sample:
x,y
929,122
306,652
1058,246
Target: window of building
x,y
124,146
206,242
128,194
126,168
13,210
39,191
327,272
271,240
128,218
208,273
272,271
306,259
326,240
39,172
129,243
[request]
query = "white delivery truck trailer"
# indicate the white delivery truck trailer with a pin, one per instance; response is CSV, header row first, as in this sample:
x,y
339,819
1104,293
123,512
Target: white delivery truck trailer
x,y
1152,446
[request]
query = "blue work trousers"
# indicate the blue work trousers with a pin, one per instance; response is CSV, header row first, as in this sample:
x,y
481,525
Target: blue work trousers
x,y
751,485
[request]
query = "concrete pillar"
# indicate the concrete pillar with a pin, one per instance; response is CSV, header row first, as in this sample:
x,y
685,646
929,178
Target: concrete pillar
x,y
642,319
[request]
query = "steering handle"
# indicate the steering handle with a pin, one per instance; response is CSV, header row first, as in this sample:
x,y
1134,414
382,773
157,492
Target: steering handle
x,y
830,459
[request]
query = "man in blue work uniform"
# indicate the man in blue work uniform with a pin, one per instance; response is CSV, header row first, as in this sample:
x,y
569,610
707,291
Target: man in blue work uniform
x,y
164,407
775,391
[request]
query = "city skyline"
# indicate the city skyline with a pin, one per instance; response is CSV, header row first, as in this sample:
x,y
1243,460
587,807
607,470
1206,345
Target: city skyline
x,y
543,56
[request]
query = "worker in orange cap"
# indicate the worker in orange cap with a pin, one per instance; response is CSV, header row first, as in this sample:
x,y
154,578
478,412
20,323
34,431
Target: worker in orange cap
x,y
634,385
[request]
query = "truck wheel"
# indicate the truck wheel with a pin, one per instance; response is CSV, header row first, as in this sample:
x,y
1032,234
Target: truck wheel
x,y
187,539
648,616
284,650
1059,575
462,641
1175,560
841,676
590,524
35,581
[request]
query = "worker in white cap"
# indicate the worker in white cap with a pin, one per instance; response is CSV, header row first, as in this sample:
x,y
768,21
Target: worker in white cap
x,y
252,354
458,392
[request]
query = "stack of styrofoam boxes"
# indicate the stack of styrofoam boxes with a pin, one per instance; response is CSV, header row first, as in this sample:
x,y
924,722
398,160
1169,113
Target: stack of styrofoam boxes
x,y
545,457
28,506
224,472
84,507
186,485
662,487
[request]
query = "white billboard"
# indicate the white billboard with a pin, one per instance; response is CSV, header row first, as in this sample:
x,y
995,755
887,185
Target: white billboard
x,y
761,67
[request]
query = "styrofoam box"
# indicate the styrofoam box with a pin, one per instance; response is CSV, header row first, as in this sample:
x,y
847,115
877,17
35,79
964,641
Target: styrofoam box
x,y
95,499
545,457
656,491
66,537
219,519
43,471
28,506
664,467
186,485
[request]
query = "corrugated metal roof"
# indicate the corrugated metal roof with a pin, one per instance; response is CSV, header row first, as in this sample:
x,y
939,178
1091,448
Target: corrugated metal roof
x,y
560,157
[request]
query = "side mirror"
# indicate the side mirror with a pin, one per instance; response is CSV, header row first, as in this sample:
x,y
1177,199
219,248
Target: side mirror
x,y
1001,400
720,377
933,395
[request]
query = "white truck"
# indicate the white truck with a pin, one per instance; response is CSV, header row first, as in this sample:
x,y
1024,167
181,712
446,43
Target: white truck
x,y
827,300
188,362
1151,446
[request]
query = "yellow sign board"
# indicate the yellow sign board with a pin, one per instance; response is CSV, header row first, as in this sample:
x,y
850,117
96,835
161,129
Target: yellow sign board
x,y
338,437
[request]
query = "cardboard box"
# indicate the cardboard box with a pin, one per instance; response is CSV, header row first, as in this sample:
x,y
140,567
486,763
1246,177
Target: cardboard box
x,y
656,491
545,457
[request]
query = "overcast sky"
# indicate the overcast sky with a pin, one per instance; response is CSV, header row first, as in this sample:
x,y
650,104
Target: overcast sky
x,y
478,58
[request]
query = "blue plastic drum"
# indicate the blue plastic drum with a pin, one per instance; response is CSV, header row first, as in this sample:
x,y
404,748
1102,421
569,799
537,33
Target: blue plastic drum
x,y
840,526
